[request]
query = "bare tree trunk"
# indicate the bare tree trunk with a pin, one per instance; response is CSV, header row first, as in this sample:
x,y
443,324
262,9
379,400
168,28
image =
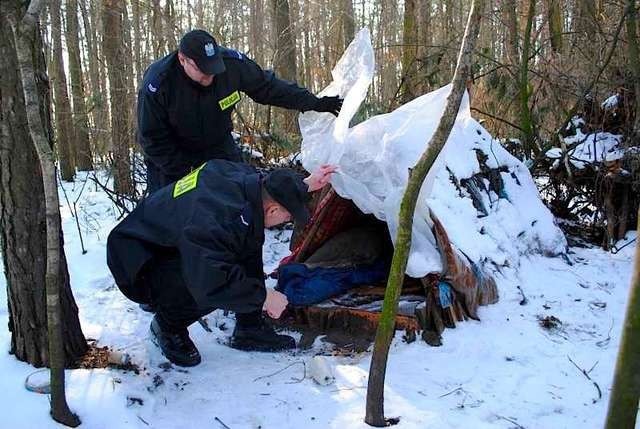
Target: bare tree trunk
x,y
348,22
526,120
156,25
409,52
623,403
119,100
425,35
137,55
285,58
64,124
26,50
509,14
554,13
98,108
80,126
388,41
375,388
634,60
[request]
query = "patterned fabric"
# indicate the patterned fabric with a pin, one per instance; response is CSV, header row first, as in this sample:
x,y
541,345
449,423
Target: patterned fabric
x,y
330,216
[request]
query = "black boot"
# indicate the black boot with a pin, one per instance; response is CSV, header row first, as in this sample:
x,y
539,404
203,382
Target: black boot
x,y
176,346
253,333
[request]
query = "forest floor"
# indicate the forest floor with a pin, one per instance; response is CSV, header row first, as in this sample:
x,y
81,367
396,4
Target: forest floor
x,y
521,366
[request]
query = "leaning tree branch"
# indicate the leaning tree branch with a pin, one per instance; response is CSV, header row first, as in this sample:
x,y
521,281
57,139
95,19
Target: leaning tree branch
x,y
384,335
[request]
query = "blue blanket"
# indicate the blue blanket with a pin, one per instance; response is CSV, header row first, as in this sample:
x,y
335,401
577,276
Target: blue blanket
x,y
304,286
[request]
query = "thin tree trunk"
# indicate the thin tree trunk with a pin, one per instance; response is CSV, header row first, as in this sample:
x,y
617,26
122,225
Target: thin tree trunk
x,y
623,403
64,124
118,91
137,56
384,335
409,51
526,120
509,14
554,13
425,39
634,61
348,21
98,101
28,52
156,26
80,126
285,58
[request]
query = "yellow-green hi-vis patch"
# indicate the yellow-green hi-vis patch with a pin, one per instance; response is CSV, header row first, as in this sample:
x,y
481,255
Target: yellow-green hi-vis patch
x,y
187,183
229,101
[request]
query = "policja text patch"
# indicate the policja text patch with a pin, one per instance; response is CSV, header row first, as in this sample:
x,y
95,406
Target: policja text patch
x,y
229,101
187,183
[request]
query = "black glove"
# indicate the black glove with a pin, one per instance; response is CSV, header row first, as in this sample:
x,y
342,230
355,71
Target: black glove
x,y
329,104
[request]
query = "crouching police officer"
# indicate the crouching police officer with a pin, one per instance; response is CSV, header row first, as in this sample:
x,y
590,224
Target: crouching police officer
x,y
186,99
196,245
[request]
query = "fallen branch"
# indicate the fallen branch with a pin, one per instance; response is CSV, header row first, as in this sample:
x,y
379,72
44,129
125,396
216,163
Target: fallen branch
x,y
221,423
453,391
586,374
518,425
284,369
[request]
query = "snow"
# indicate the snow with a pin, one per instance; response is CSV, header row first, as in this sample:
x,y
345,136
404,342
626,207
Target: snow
x,y
375,156
487,374
593,147
611,102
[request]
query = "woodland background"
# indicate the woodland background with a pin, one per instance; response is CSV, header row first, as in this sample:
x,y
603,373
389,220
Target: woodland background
x,y
538,64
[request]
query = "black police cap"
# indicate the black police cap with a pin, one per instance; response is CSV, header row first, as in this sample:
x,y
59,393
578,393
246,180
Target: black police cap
x,y
202,48
288,189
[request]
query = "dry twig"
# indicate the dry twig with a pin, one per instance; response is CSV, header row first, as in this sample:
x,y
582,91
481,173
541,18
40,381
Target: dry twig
x,y
586,374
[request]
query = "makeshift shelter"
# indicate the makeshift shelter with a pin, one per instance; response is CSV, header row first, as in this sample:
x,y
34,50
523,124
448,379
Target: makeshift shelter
x,y
478,210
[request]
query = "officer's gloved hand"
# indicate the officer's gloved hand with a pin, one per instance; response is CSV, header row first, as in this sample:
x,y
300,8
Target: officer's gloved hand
x,y
329,104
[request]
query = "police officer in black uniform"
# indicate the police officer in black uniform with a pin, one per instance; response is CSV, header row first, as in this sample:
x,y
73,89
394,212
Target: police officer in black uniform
x,y
186,99
196,245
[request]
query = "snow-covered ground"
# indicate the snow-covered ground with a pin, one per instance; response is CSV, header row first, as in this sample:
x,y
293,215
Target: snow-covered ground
x,y
506,371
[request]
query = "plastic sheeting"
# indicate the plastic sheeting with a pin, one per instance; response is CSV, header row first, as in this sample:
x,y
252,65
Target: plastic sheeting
x,y
374,158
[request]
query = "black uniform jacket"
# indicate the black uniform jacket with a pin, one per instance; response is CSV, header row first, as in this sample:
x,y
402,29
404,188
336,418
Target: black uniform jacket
x,y
182,124
216,226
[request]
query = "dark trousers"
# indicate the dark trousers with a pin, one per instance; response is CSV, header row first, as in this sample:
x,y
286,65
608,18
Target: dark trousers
x,y
175,307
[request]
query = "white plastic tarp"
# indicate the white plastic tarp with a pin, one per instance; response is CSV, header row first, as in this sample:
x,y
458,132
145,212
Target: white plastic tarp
x,y
374,158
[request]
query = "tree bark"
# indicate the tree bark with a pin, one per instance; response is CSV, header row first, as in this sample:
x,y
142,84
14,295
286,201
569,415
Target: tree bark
x,y
118,94
384,335
425,37
285,60
555,18
526,120
634,61
80,126
623,403
409,52
33,205
99,112
64,124
509,13
348,22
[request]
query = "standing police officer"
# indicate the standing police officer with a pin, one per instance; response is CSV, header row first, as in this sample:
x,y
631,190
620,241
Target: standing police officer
x,y
186,99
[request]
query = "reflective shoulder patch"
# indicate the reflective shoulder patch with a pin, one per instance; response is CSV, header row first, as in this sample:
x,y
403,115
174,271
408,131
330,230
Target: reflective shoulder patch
x,y
229,100
187,183
153,84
